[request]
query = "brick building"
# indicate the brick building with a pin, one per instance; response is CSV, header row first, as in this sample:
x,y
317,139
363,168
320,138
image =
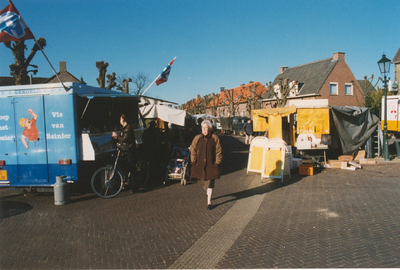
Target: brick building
x,y
237,101
329,78
396,62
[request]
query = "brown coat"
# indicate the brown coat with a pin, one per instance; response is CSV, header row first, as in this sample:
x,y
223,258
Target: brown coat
x,y
206,157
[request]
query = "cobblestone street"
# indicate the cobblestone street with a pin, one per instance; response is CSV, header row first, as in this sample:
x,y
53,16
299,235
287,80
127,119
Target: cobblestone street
x,y
333,219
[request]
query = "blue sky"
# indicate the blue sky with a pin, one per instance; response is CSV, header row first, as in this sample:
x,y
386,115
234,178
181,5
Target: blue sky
x,y
218,43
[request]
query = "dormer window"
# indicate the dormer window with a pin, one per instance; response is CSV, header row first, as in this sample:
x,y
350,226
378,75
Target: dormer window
x,y
238,98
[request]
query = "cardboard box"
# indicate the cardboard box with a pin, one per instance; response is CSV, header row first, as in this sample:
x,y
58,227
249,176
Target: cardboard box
x,y
345,158
365,161
360,155
334,164
343,164
306,169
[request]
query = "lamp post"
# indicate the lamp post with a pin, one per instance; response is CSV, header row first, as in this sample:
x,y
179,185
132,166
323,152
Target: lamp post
x,y
384,67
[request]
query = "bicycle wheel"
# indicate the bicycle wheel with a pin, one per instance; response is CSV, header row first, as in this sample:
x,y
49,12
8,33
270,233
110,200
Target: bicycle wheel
x,y
142,173
107,184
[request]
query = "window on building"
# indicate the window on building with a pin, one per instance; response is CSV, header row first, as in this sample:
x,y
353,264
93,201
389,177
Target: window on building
x,y
243,113
333,89
348,89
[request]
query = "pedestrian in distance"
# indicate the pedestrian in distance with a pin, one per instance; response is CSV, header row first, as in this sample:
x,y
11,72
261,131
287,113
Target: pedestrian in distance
x,y
206,159
248,131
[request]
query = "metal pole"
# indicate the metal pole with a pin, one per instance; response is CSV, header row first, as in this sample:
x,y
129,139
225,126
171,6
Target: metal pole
x,y
55,72
385,132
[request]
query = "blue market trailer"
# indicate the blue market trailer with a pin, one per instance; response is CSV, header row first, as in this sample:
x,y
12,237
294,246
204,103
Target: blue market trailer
x,y
48,131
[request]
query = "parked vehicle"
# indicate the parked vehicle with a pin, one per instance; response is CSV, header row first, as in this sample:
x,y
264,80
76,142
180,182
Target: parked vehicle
x,y
47,131
233,125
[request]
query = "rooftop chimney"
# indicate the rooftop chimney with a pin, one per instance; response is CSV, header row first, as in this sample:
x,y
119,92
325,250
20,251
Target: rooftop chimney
x,y
63,66
338,56
282,69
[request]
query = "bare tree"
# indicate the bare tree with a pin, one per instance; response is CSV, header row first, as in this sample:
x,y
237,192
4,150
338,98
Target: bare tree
x,y
214,104
372,94
204,103
19,70
232,103
111,81
123,83
251,100
102,67
282,89
140,80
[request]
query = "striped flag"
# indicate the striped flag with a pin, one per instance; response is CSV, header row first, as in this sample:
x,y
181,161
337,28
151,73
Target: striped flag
x,y
163,77
12,26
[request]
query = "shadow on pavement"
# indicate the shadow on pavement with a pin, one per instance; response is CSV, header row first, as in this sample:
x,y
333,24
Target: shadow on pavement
x,y
235,154
268,187
11,208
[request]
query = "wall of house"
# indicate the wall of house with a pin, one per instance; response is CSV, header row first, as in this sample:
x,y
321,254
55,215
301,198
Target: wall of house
x,y
341,75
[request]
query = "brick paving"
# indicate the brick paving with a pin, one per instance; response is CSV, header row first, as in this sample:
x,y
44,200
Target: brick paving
x,y
334,219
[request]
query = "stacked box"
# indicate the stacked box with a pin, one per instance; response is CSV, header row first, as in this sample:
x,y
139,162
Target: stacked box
x,y
345,158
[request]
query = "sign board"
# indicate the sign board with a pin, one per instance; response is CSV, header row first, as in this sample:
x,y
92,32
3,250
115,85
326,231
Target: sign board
x,y
256,154
393,86
393,113
274,159
313,121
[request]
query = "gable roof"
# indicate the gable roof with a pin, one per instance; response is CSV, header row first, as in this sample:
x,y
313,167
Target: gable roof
x,y
396,58
312,75
366,85
64,75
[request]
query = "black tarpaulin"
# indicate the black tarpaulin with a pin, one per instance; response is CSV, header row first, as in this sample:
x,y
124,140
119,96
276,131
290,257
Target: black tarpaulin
x,y
354,126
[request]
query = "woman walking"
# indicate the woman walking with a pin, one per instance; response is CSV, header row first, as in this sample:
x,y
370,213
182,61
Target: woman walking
x,y
206,158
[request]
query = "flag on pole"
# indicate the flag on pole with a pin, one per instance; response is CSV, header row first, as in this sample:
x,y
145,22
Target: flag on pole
x,y
12,26
163,77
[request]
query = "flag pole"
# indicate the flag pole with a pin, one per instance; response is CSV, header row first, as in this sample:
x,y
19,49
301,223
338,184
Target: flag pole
x,y
144,92
40,47
159,75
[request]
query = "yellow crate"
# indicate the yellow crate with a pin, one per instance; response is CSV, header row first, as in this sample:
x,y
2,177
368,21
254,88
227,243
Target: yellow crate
x,y
306,169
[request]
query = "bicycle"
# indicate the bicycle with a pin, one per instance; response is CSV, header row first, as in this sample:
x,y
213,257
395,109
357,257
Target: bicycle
x,y
110,180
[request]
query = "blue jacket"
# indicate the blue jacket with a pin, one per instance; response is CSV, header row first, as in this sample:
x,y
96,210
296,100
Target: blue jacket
x,y
248,128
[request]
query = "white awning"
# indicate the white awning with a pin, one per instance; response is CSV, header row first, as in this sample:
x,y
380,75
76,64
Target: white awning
x,y
167,114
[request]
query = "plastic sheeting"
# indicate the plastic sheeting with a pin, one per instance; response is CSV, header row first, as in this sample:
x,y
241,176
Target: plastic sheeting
x,y
354,126
167,114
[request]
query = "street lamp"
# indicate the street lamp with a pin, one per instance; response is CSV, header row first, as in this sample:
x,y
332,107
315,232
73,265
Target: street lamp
x,y
384,67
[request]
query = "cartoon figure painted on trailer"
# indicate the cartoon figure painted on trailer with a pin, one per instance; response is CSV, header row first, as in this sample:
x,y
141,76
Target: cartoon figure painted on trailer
x,y
30,130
